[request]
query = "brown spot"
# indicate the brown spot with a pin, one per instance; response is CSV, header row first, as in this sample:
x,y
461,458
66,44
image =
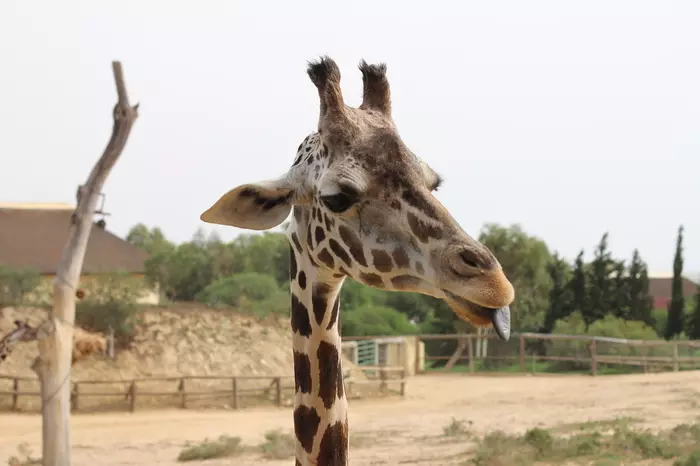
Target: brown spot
x,y
309,237
353,243
339,251
292,264
295,239
423,230
382,260
302,372
327,221
313,262
302,280
306,421
344,272
297,463
372,280
400,257
326,257
333,450
319,300
300,317
396,205
297,214
406,282
334,314
420,202
329,366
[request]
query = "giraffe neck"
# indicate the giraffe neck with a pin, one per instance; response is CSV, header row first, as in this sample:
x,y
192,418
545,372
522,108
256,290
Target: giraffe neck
x,y
320,405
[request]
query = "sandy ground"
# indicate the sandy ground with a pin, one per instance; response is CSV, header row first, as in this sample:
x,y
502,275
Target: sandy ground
x,y
389,431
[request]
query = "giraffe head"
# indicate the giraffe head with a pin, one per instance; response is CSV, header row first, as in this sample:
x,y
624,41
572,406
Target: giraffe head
x,y
364,208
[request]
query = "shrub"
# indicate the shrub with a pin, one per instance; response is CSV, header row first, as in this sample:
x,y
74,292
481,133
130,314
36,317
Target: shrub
x,y
224,446
110,303
16,284
376,320
238,289
278,445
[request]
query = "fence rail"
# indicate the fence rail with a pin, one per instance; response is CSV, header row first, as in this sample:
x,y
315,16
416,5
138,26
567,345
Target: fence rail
x,y
234,392
553,353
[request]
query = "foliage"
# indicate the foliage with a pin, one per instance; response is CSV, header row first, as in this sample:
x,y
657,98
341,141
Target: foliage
x,y
499,448
560,294
457,428
110,303
600,288
16,284
223,447
676,308
524,259
693,325
232,290
278,445
376,320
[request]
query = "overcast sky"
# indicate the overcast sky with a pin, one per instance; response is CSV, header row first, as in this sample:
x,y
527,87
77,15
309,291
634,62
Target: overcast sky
x,y
571,118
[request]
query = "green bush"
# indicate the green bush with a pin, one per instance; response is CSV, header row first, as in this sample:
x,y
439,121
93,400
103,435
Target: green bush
x,y
238,289
110,303
224,446
375,321
16,284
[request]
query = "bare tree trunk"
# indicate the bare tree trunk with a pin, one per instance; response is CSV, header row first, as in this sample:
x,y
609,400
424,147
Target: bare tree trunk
x,y
53,366
457,354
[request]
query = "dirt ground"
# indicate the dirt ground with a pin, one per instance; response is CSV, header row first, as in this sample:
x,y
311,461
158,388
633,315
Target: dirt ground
x,y
388,431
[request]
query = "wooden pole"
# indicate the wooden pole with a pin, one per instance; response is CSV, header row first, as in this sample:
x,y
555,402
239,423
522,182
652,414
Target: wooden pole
x,y
15,394
53,366
594,361
522,354
234,386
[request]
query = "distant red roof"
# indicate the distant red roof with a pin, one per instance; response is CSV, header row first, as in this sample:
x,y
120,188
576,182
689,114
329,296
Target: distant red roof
x,y
35,237
660,290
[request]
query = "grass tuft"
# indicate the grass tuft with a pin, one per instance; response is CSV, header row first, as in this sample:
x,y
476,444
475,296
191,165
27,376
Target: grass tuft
x,y
223,447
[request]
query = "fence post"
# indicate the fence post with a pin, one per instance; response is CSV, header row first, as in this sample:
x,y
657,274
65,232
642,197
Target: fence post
x,y
470,352
234,386
522,354
15,394
675,357
594,361
403,382
416,362
278,394
183,393
382,377
76,397
132,396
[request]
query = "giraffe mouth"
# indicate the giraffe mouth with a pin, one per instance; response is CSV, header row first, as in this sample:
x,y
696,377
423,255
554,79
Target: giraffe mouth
x,y
481,316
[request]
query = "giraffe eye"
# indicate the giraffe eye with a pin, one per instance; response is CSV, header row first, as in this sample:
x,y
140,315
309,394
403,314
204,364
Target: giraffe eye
x,y
338,202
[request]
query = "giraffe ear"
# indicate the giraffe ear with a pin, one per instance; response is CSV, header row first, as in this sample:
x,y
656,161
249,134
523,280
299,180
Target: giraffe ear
x,y
253,206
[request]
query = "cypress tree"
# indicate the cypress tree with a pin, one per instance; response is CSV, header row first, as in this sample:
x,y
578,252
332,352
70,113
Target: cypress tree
x,y
693,330
578,285
600,285
674,325
640,304
559,294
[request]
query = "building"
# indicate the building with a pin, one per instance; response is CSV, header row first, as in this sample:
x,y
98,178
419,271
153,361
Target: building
x,y
34,235
660,289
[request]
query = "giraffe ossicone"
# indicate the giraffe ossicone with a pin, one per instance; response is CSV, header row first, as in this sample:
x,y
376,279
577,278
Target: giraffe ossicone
x,y
363,207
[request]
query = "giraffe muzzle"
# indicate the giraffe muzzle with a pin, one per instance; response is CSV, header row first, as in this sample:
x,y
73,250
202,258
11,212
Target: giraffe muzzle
x,y
481,316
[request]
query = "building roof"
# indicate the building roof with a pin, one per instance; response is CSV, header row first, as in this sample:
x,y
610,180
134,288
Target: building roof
x,y
34,235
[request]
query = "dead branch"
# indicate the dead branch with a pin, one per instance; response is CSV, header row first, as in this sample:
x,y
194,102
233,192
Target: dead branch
x,y
53,366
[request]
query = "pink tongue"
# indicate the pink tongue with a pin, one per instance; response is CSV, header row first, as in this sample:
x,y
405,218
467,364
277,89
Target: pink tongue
x,y
500,318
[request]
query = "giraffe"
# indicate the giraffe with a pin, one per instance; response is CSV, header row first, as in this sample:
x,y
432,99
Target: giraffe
x,y
363,207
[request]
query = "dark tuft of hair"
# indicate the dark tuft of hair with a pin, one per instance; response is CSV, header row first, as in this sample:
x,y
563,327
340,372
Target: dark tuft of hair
x,y
323,70
372,71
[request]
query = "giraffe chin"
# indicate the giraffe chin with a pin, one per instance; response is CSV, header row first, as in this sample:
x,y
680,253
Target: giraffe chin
x,y
481,316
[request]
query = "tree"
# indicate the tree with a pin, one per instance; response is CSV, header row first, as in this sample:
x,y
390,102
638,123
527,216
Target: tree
x,y
560,296
578,285
524,259
55,335
600,286
693,327
640,302
620,292
676,308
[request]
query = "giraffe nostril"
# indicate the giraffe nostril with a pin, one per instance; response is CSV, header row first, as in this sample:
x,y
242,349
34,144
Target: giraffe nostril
x,y
469,258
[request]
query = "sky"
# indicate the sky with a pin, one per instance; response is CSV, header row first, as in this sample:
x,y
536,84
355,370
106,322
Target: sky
x,y
569,118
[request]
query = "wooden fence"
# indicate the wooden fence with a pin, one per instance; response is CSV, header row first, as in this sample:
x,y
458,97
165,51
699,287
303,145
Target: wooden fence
x,y
228,392
552,353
